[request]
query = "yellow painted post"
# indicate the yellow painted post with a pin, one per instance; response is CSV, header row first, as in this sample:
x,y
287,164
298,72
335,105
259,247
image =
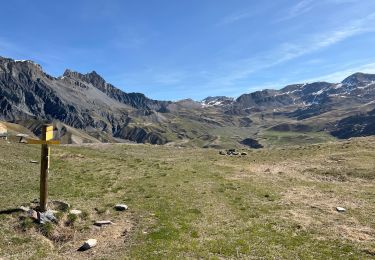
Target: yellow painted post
x,y
46,140
47,134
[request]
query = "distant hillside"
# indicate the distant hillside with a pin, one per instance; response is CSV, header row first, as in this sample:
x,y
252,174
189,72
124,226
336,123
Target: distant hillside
x,y
98,111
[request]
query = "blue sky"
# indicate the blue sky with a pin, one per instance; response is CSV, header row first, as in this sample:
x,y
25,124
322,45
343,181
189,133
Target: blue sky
x,y
175,49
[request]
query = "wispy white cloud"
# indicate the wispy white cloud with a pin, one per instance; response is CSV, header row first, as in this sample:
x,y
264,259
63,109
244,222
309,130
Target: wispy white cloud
x,y
238,70
303,7
339,75
231,77
333,77
235,17
342,1
298,9
244,14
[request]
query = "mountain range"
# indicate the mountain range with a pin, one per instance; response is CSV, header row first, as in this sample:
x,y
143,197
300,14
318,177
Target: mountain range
x,y
85,108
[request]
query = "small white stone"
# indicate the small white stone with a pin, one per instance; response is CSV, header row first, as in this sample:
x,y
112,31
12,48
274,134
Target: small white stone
x,y
103,222
25,209
88,244
32,161
121,207
75,212
340,209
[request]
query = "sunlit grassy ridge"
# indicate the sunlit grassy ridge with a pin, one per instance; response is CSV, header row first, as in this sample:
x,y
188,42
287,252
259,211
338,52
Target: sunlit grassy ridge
x,y
195,203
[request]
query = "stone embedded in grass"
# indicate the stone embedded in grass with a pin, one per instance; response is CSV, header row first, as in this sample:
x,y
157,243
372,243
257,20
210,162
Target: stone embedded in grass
x,y
243,153
75,212
45,217
121,207
103,222
88,244
33,214
32,161
340,209
24,209
232,152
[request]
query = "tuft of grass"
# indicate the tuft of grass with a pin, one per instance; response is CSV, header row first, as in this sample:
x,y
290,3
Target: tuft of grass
x,y
194,234
46,229
71,219
26,223
85,215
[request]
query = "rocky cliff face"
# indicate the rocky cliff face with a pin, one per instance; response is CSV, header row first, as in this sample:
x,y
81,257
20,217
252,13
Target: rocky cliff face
x,y
81,101
136,100
25,92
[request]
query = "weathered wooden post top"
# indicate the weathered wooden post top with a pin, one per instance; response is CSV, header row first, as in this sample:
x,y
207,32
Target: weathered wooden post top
x,y
45,141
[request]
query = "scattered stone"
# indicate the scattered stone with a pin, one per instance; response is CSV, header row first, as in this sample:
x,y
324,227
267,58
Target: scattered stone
x,y
75,212
32,161
121,207
243,153
340,209
24,209
267,170
33,214
232,152
100,223
222,153
22,138
88,245
45,217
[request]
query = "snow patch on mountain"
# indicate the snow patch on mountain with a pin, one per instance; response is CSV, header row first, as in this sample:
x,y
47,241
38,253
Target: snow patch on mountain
x,y
216,101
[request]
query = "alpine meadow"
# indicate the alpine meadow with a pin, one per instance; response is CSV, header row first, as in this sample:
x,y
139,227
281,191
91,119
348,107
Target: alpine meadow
x,y
187,129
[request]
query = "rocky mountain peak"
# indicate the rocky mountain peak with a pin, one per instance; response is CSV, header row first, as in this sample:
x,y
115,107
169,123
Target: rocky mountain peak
x,y
136,100
71,74
21,67
92,77
358,78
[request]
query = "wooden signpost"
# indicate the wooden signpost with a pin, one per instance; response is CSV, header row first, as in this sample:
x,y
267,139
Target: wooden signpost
x,y
45,141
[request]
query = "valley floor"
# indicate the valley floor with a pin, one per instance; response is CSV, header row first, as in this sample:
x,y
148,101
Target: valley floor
x,y
277,203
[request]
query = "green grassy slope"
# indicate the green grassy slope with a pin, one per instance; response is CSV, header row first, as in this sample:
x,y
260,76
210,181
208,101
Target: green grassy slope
x,y
194,203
